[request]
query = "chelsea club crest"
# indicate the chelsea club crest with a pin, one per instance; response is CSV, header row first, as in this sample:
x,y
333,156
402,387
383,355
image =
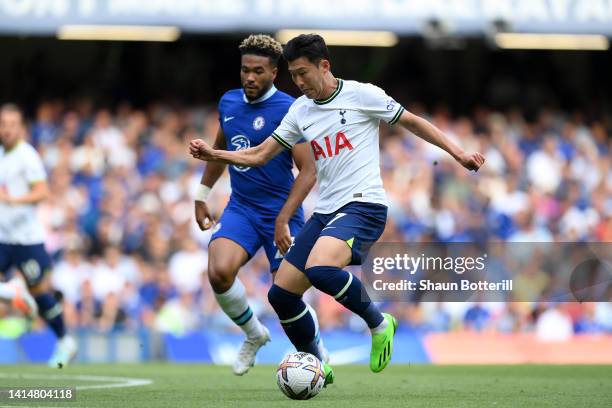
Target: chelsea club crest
x,y
259,123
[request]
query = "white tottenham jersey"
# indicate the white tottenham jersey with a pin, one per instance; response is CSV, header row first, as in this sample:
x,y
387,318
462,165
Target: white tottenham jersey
x,y
20,167
343,135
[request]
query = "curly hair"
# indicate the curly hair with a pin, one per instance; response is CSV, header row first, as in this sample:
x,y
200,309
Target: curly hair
x,y
262,45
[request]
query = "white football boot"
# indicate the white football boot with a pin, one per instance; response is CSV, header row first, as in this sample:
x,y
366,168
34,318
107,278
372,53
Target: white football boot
x,y
248,351
65,351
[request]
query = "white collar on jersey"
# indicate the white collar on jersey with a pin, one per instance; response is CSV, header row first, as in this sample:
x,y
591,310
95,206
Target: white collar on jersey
x,y
262,98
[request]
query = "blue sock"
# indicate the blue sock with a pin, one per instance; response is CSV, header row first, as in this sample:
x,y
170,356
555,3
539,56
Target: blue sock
x,y
51,311
346,289
295,318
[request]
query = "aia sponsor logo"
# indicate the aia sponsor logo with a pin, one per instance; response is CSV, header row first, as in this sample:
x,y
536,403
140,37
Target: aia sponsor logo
x,y
331,148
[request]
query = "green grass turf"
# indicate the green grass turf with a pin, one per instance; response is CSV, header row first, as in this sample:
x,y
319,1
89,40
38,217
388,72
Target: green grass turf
x,y
397,386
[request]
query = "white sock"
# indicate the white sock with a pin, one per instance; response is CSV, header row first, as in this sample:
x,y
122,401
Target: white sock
x,y
235,304
313,313
322,350
7,291
381,327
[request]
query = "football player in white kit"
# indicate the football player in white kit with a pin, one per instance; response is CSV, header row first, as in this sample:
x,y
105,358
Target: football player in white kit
x,y
340,119
22,186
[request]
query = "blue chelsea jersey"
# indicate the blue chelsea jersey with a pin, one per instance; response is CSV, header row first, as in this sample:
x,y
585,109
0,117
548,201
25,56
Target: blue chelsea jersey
x,y
247,124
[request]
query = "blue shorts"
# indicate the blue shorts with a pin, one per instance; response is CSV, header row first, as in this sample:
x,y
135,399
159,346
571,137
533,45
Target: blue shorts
x,y
33,261
359,224
252,230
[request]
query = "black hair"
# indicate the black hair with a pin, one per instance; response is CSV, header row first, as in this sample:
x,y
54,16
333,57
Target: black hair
x,y
310,46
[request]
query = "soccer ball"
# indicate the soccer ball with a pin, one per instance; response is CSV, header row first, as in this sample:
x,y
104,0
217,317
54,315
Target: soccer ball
x,y
300,376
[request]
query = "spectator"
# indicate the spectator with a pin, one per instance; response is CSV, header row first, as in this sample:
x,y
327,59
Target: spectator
x,y
122,185
187,267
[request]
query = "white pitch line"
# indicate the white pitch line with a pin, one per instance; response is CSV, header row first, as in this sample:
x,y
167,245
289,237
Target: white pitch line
x,y
127,382
124,382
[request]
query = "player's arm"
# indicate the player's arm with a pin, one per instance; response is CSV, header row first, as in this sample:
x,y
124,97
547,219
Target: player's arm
x,y
302,185
213,171
39,191
252,157
430,133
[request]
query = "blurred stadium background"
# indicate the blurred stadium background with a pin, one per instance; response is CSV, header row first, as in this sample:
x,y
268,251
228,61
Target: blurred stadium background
x,y
112,120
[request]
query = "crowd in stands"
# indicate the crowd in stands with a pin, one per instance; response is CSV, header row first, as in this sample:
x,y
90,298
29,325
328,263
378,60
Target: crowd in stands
x,y
128,253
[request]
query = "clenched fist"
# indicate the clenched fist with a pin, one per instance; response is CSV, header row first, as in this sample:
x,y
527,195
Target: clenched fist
x,y
199,149
471,161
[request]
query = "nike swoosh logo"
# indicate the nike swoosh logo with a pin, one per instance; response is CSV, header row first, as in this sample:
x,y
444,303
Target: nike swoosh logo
x,y
306,127
227,118
327,228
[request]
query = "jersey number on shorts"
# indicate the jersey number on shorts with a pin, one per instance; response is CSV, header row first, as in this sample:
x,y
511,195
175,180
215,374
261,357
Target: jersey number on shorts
x,y
31,269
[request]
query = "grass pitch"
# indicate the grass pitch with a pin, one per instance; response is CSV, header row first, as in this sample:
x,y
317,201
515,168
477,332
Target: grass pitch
x,y
398,386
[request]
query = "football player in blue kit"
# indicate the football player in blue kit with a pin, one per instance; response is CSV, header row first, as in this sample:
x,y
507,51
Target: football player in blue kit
x,y
264,209
340,119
